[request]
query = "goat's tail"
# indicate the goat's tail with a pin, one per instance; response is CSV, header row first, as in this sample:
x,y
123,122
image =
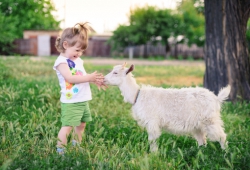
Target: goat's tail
x,y
224,93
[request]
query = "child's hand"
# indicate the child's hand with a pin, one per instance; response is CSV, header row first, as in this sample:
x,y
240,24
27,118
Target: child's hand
x,y
96,77
101,86
98,80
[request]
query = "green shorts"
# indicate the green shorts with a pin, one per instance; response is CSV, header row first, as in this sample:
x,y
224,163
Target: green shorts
x,y
72,114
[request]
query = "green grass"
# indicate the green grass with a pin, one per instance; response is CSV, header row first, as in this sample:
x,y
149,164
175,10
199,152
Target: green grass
x,y
30,121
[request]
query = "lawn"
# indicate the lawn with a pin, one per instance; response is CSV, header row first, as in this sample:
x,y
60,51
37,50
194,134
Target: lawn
x,y
30,121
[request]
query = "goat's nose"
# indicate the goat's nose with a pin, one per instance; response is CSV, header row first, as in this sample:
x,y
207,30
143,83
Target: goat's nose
x,y
105,81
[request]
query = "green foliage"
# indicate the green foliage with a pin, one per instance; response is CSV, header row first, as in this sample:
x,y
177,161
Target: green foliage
x,y
143,21
198,4
122,37
193,29
151,24
147,24
17,16
30,121
168,24
248,35
8,31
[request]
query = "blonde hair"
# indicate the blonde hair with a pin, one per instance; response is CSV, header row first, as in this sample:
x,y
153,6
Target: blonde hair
x,y
72,35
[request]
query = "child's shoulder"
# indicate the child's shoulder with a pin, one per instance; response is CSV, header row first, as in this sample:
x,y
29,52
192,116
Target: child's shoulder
x,y
60,59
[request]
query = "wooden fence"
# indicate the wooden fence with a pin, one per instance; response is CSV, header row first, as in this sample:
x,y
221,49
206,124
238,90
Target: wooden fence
x,y
30,46
26,46
98,47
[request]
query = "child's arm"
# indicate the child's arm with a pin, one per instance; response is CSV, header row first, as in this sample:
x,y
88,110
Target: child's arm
x,y
66,73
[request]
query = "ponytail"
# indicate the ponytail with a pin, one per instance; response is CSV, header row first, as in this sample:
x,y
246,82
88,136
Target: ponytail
x,y
81,28
78,33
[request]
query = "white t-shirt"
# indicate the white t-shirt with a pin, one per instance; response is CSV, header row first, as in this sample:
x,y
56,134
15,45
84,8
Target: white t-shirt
x,y
73,93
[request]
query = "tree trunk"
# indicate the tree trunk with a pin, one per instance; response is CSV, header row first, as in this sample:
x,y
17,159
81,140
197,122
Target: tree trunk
x,y
226,53
167,50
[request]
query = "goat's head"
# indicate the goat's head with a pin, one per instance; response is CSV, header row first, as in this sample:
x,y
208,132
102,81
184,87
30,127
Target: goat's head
x,y
116,76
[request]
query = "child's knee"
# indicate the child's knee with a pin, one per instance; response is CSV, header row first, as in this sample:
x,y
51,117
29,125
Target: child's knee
x,y
66,128
82,125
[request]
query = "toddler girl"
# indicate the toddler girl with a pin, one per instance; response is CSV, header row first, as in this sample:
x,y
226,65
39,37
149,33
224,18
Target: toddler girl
x,y
74,83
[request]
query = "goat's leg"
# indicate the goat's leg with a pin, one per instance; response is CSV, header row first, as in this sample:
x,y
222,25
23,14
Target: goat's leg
x,y
200,137
153,133
215,132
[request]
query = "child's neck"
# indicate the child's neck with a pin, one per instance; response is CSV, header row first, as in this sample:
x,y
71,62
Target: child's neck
x,y
63,54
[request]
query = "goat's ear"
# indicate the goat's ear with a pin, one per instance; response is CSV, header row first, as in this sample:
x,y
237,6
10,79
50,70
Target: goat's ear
x,y
131,68
124,64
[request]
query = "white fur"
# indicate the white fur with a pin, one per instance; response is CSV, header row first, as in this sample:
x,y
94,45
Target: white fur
x,y
190,111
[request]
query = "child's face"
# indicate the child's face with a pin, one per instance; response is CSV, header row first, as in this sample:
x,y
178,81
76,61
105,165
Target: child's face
x,y
73,52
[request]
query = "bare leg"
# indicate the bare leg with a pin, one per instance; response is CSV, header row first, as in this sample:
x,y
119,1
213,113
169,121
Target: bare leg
x,y
62,135
78,131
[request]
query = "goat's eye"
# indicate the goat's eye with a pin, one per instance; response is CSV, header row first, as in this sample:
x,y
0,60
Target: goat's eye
x,y
115,73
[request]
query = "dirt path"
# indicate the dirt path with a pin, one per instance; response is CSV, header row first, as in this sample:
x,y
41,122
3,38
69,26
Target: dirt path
x,y
110,61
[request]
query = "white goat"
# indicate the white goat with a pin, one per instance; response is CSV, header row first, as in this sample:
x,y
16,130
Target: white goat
x,y
193,111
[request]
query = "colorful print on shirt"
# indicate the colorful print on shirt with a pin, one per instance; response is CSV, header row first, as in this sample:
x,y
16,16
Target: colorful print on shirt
x,y
70,87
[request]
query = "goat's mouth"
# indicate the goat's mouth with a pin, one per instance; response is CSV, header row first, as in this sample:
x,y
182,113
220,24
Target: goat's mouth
x,y
105,82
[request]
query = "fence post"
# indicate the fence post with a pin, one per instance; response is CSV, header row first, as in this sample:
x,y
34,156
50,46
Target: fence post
x,y
43,45
130,52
